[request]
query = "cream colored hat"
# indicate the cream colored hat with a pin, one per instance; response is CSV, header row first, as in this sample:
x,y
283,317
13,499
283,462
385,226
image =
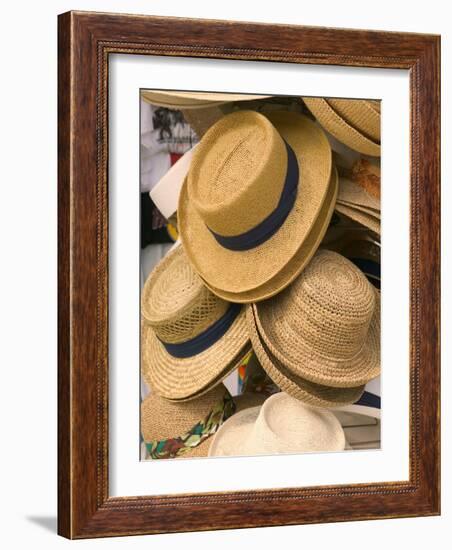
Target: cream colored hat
x,y
326,326
282,425
255,189
193,100
191,339
355,122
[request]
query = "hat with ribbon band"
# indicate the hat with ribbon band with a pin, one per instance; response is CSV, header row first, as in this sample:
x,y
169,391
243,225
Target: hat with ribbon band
x,y
191,339
254,191
175,430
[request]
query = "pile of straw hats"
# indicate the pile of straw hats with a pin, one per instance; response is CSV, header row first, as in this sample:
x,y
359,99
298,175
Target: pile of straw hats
x,y
253,274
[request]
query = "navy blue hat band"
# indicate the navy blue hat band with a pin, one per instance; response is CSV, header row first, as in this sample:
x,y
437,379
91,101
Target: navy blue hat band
x,y
369,400
270,225
207,338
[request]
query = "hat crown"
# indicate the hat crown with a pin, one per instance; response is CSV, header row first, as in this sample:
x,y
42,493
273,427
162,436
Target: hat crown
x,y
162,418
175,301
331,306
285,424
237,173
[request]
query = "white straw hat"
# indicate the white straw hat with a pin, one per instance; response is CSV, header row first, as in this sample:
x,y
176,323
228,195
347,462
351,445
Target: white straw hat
x,y
255,189
191,338
282,425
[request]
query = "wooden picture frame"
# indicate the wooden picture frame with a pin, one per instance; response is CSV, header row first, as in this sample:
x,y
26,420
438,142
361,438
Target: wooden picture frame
x,y
86,40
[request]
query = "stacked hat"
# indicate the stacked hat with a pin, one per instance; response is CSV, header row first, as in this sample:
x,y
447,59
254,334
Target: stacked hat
x,y
356,203
191,338
363,251
354,122
193,100
319,340
256,203
182,429
281,425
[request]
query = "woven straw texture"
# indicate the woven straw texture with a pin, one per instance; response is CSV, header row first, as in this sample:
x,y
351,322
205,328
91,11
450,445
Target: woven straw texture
x,y
176,307
359,114
162,419
249,187
352,193
339,128
325,327
315,395
193,100
282,425
358,215
293,268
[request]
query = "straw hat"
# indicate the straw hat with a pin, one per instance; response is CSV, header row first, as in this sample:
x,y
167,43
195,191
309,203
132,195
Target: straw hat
x,y
354,122
293,268
193,100
255,189
326,326
191,339
172,430
286,378
282,425
352,194
370,221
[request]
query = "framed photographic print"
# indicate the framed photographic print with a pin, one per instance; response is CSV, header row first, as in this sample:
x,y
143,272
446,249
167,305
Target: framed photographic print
x,y
248,275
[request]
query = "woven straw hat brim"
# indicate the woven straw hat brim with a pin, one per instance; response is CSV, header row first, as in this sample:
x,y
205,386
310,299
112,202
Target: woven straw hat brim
x,y
179,378
242,271
361,217
235,363
235,436
359,114
339,128
316,395
294,267
286,345
368,211
194,100
351,192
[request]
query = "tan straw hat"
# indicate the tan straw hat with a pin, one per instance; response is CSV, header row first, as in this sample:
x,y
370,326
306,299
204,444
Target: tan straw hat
x,y
355,125
326,326
364,218
351,193
286,378
191,339
172,430
282,425
293,268
193,100
255,189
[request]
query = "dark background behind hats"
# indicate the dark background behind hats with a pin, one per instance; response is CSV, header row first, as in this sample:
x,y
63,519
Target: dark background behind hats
x,y
28,289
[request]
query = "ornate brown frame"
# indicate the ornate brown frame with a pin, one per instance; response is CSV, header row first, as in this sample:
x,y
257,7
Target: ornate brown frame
x,y
85,42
